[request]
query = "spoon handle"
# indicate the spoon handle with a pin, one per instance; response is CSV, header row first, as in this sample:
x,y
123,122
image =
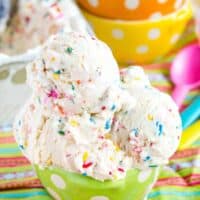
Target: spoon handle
x,y
191,113
179,94
190,135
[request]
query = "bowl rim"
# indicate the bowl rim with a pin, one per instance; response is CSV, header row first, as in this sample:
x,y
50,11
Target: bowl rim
x,y
182,13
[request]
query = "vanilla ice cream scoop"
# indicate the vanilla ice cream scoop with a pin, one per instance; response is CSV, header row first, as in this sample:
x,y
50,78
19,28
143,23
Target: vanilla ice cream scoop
x,y
150,132
86,117
36,20
75,72
78,143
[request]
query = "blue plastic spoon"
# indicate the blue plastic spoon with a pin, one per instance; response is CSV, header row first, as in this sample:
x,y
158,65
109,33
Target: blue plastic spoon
x,y
191,113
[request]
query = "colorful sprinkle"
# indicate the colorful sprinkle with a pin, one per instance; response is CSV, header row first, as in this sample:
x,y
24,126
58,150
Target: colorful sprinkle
x,y
92,120
101,137
78,82
61,110
111,158
120,169
74,123
84,174
21,146
113,107
53,94
85,156
55,76
108,124
87,165
150,117
107,135
134,132
73,87
49,162
69,50
117,148
103,108
159,128
61,132
153,166
147,158
57,72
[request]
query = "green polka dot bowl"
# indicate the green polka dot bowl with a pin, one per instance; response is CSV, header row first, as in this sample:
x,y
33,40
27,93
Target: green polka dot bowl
x,y
62,185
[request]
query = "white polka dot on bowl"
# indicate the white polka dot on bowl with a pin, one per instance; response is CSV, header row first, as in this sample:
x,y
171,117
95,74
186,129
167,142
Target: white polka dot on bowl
x,y
142,49
53,193
93,3
144,175
58,181
155,16
174,38
162,1
131,4
154,34
99,198
117,34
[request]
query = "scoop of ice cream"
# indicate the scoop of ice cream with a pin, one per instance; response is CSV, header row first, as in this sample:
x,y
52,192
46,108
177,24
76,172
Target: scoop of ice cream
x,y
75,72
36,20
150,132
79,143
82,118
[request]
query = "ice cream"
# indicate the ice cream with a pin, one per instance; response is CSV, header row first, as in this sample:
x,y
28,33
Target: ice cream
x,y
36,20
150,132
72,74
73,105
79,143
83,111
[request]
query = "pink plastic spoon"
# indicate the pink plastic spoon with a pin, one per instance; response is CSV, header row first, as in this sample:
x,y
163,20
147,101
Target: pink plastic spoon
x,y
185,72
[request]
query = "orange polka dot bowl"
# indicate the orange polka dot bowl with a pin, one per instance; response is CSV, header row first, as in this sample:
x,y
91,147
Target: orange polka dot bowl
x,y
141,41
130,9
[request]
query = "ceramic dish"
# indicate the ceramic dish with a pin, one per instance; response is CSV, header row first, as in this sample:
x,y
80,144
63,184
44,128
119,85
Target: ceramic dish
x,y
141,41
64,185
131,9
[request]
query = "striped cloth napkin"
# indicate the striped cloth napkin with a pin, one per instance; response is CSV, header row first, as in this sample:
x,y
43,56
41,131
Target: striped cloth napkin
x,y
180,180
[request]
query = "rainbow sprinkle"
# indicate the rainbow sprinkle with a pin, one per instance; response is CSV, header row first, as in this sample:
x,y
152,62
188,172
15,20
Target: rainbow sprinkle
x,y
53,94
159,128
134,132
85,156
87,165
113,107
61,132
108,124
74,123
147,158
150,117
69,50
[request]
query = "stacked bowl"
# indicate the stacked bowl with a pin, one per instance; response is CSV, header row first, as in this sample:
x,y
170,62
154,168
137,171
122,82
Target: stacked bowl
x,y
138,31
